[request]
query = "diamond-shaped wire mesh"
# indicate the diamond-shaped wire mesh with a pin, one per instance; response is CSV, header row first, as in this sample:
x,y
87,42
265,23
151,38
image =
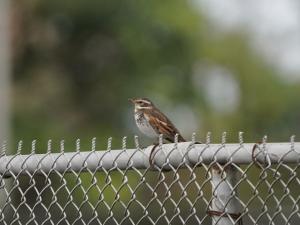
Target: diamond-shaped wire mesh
x,y
188,183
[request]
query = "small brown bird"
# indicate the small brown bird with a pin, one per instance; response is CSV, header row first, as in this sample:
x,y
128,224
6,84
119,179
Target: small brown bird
x,y
153,122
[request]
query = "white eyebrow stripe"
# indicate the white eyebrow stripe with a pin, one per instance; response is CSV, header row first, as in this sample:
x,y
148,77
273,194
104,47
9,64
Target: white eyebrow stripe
x,y
143,107
145,101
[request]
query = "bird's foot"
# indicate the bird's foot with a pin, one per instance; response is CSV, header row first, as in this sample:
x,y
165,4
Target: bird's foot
x,y
151,159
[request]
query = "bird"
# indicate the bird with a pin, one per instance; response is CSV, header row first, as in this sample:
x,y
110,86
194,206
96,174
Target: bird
x,y
152,122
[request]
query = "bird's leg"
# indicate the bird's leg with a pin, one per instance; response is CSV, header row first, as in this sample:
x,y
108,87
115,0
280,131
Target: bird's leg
x,y
151,158
151,153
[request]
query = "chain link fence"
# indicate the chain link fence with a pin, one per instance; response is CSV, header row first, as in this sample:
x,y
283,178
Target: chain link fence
x,y
188,183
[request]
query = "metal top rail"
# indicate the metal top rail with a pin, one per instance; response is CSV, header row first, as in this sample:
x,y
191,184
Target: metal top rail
x,y
166,155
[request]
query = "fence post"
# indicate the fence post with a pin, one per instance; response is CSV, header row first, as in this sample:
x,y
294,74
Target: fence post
x,y
225,205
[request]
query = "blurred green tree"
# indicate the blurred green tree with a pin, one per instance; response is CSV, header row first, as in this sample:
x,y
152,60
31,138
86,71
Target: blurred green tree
x,y
77,62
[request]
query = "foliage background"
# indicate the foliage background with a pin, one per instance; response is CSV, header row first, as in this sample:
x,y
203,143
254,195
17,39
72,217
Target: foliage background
x,y
76,63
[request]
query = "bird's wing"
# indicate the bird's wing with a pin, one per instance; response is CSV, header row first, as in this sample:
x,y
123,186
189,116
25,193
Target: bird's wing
x,y
163,125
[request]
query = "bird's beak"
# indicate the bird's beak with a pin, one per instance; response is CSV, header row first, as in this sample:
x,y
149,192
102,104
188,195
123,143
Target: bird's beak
x,y
131,100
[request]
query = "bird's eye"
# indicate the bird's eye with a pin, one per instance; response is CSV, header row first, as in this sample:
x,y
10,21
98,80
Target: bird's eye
x,y
142,103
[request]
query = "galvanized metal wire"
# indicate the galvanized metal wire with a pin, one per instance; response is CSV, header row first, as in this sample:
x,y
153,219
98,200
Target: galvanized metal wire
x,y
188,183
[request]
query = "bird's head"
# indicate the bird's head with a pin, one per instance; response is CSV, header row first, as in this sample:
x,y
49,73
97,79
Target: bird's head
x,y
141,103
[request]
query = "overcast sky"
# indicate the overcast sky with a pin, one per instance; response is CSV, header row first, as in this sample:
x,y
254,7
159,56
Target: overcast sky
x,y
273,27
